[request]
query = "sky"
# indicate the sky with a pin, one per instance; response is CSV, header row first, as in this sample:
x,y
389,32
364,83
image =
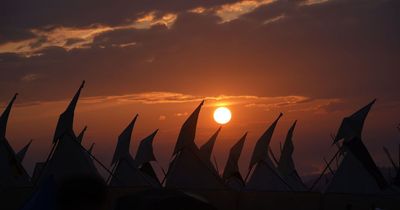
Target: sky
x,y
316,61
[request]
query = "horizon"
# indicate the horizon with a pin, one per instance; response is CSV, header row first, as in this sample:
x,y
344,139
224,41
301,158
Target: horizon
x,y
167,135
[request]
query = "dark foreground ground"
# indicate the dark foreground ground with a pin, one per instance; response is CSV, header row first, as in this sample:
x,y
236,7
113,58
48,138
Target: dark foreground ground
x,y
92,195
130,198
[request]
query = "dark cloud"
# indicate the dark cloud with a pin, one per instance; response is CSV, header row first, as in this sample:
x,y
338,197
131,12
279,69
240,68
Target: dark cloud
x,y
20,16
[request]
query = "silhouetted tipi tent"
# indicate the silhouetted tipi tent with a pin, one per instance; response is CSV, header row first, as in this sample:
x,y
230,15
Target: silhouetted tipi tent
x,y
396,180
12,173
357,173
21,154
207,148
126,170
37,171
286,165
90,150
353,125
231,175
145,155
44,198
69,158
205,151
81,135
265,177
188,169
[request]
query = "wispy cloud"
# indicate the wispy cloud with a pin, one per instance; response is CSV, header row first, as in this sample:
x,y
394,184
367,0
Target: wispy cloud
x,y
198,10
291,103
280,103
30,77
232,11
274,19
312,2
70,38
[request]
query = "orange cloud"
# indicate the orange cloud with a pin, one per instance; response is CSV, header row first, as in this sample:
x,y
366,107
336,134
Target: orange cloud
x,y
311,2
229,12
291,103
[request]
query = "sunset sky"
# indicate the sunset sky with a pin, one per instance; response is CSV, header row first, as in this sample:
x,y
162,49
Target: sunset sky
x,y
316,61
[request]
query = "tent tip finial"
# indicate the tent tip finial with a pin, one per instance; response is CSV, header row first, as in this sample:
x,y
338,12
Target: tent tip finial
x,y
83,84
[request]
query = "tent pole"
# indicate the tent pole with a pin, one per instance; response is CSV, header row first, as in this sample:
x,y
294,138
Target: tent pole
x,y
47,161
390,158
216,164
273,156
162,169
330,169
112,172
248,174
326,168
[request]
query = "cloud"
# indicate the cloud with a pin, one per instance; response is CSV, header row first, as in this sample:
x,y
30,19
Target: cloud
x,y
275,103
198,10
174,97
274,19
312,2
70,38
181,114
30,77
340,49
232,11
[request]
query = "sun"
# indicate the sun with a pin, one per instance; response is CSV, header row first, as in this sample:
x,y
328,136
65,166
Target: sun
x,y
222,115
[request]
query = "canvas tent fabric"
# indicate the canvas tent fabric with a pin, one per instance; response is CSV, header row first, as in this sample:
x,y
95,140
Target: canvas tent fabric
x,y
5,116
260,152
81,135
127,174
147,168
124,141
207,148
231,174
66,119
126,170
188,169
358,149
145,155
188,131
352,126
90,150
21,154
69,159
286,165
265,176
352,177
357,172
145,152
37,171
13,174
44,198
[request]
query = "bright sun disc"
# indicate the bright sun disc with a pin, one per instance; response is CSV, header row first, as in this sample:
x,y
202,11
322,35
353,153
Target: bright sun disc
x,y
222,115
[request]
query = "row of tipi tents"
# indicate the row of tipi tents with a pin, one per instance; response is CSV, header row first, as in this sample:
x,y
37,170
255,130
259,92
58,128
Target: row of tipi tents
x,y
191,167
